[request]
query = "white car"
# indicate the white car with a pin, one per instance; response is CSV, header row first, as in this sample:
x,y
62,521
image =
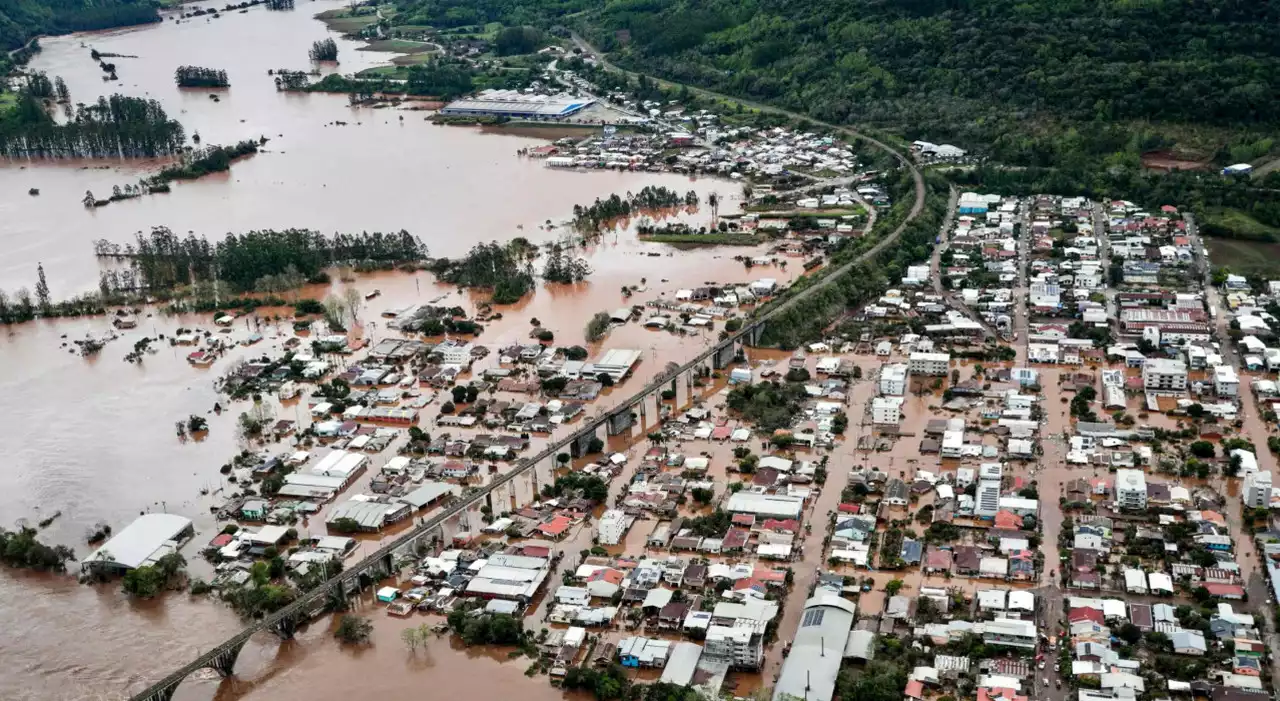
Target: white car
x,y
1041,665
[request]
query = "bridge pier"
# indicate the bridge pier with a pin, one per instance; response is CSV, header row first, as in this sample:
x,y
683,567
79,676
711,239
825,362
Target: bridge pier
x,y
285,628
225,663
619,422
723,356
159,693
754,333
582,444
338,596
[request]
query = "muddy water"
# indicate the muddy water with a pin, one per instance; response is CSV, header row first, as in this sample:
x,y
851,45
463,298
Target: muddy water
x,y
452,186
94,438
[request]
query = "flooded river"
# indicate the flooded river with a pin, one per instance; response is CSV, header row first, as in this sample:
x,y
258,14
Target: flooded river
x,y
94,439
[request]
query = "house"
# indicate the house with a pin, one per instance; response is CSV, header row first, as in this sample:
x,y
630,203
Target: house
x,y
643,652
1189,642
1011,633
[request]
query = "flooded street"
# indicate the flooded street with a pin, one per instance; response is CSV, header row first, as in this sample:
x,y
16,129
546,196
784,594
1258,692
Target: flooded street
x,y
94,438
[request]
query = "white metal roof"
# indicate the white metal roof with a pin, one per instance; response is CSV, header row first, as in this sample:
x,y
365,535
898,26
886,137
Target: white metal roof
x,y
142,542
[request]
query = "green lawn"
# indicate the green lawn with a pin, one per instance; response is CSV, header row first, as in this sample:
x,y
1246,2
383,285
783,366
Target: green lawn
x,y
1234,223
399,46
704,239
1245,257
341,20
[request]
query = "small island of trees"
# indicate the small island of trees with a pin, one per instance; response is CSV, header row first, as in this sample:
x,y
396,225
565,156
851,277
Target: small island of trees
x,y
504,269
594,216
324,50
163,261
198,77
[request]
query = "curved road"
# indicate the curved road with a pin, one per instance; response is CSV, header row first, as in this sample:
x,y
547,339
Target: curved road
x,y
163,688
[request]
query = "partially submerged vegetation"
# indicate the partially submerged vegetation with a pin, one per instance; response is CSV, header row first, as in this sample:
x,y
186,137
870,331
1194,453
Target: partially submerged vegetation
x,y
112,127
22,549
165,261
595,215
197,77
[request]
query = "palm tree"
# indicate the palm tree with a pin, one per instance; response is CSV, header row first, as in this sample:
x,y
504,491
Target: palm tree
x,y
714,200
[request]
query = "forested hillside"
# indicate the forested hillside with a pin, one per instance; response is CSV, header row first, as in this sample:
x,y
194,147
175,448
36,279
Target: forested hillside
x,y
1009,76
936,66
22,19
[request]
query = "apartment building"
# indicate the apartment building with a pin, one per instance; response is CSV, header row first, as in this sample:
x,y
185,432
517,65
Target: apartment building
x,y
1164,375
934,364
1131,490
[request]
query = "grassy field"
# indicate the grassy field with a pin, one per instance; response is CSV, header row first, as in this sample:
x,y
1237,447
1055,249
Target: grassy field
x,y
1233,223
399,46
342,20
412,59
704,239
1245,257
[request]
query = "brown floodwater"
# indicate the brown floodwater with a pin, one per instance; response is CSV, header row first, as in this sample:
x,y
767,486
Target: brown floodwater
x,y
93,438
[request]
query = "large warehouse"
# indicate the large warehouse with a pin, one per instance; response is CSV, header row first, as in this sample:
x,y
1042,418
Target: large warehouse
x,y
143,542
516,105
810,670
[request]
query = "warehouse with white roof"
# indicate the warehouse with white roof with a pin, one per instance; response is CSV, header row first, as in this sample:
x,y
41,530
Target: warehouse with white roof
x,y
143,542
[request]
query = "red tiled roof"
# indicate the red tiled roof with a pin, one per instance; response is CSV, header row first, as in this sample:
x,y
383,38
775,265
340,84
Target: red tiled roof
x,y
915,689
556,526
789,525
607,574
1008,519
1224,589
1077,615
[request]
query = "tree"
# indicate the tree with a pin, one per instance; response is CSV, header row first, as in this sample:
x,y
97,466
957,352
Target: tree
x,y
702,495
597,327
42,289
1130,633
893,586
1202,449
595,445
324,50
353,630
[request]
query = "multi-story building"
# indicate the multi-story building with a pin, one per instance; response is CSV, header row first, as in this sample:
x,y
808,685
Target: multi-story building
x,y
1010,632
893,380
1225,381
612,527
935,364
886,411
1131,490
739,645
1164,375
1257,490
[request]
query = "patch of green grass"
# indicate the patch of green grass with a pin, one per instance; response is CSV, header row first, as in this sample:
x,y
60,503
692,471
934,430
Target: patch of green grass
x,y
342,20
704,239
1245,257
7,100
412,59
399,46
382,72
1237,224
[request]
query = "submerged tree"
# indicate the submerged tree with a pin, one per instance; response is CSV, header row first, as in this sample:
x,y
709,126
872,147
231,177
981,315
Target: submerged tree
x,y
42,288
197,77
324,50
